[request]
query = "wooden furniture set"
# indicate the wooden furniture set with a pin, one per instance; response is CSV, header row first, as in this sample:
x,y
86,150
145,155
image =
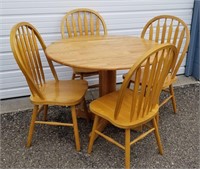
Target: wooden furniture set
x,y
152,61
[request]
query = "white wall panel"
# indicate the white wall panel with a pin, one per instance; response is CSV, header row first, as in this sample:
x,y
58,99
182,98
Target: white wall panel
x,y
125,17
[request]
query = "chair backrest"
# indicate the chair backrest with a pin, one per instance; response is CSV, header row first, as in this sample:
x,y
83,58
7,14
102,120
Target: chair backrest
x,y
82,22
24,41
155,65
170,29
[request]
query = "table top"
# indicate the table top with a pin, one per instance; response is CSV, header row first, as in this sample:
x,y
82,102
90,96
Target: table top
x,y
100,53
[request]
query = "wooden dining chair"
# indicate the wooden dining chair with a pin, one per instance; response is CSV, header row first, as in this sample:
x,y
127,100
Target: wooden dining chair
x,y
83,22
130,108
170,29
26,43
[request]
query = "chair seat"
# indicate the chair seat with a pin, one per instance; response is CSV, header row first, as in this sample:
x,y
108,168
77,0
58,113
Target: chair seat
x,y
105,107
80,71
168,81
62,92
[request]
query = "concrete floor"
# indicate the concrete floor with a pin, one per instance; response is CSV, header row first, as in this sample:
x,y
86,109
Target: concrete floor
x,y
23,103
54,147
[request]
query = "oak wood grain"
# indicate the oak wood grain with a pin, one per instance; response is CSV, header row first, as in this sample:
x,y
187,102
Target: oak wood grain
x,y
101,53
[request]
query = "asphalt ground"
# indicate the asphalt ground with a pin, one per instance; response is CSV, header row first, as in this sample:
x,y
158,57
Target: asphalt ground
x,y
54,147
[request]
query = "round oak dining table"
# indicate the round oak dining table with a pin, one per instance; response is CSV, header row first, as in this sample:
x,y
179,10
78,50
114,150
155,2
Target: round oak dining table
x,y
104,53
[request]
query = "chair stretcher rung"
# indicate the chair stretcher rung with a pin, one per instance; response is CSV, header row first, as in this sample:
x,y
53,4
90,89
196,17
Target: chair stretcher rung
x,y
166,100
110,139
148,126
54,123
166,90
142,136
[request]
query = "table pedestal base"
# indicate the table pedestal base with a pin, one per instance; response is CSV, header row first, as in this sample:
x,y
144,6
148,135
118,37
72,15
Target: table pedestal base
x,y
107,84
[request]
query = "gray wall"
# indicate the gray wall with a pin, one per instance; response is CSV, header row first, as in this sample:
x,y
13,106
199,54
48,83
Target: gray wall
x,y
125,17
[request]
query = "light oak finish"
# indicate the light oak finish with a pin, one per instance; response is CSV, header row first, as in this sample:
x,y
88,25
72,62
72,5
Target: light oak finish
x,y
170,29
130,108
106,54
25,42
101,53
83,22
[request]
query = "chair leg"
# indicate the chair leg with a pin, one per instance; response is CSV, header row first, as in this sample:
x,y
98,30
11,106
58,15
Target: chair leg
x,y
32,124
82,111
82,77
157,118
45,112
171,89
75,125
127,148
73,76
93,134
157,135
86,110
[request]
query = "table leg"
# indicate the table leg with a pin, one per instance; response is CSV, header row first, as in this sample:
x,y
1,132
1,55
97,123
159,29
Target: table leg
x,y
107,84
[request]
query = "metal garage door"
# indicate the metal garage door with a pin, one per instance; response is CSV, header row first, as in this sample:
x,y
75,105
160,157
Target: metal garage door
x,y
125,17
